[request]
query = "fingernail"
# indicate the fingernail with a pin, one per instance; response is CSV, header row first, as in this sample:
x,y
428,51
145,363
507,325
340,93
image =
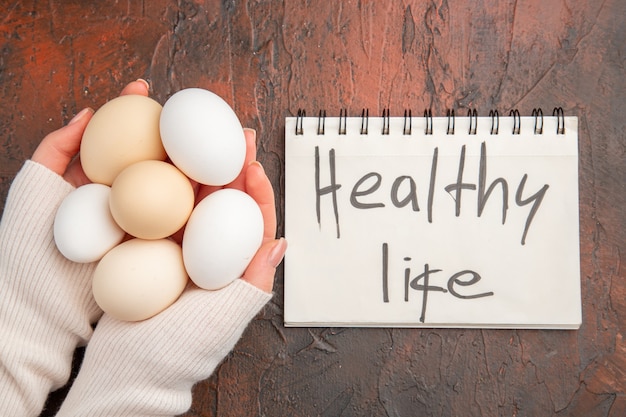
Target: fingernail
x,y
80,115
247,129
257,163
278,252
141,80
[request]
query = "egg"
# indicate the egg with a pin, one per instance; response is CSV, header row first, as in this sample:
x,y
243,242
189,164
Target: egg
x,y
151,199
139,278
123,131
203,136
222,235
84,229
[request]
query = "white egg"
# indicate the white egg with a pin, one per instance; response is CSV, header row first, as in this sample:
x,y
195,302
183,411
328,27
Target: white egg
x,y
84,230
203,136
222,235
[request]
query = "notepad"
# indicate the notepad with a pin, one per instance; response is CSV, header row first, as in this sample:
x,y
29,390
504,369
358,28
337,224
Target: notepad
x,y
432,221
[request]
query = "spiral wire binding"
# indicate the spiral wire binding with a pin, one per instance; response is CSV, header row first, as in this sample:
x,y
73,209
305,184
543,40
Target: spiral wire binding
x,y
450,116
472,114
428,115
299,118
516,121
560,128
495,122
473,127
343,119
365,117
321,122
408,124
538,115
385,122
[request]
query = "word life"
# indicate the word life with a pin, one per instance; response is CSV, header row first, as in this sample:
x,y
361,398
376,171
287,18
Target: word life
x,y
422,282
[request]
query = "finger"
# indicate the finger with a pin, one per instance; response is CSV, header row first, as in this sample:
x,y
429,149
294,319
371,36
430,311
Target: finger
x,y
74,173
262,268
58,148
140,87
240,182
259,187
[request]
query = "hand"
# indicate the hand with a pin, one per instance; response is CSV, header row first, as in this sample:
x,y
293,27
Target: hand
x,y
254,181
149,367
58,151
262,268
46,304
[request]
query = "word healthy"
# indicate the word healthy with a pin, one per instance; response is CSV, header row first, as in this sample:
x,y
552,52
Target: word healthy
x,y
365,194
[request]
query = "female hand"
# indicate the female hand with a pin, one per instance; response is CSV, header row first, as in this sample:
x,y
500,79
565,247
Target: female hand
x,y
149,367
58,151
254,181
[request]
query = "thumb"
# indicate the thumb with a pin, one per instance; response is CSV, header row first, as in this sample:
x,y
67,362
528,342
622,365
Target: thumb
x,y
58,148
262,268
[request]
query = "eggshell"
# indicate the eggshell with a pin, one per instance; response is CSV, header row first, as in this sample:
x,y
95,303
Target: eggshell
x,y
203,136
123,131
151,199
139,278
222,235
84,229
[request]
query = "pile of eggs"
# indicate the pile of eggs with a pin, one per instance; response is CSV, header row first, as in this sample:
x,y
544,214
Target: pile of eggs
x,y
142,158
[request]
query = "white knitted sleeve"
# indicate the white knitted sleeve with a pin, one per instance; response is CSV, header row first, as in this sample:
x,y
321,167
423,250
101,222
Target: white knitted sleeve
x,y
148,368
46,306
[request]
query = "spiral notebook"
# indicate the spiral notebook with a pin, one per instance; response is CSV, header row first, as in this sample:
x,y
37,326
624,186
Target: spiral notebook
x,y
432,221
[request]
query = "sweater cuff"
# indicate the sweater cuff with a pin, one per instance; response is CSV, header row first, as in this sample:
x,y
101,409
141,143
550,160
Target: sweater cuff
x,y
46,305
150,367
34,196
